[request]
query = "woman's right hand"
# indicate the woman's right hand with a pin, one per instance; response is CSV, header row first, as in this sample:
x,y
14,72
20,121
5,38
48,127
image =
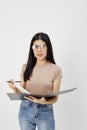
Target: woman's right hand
x,y
11,84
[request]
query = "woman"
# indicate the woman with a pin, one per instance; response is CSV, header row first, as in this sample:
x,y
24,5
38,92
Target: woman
x,y
40,75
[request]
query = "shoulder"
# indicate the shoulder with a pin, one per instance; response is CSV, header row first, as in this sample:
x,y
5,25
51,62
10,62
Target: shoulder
x,y
23,69
24,66
56,70
55,67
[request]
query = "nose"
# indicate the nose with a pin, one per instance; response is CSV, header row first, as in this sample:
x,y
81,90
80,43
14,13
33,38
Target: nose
x,y
39,48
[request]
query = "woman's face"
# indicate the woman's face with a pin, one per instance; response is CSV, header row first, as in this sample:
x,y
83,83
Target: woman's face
x,y
39,49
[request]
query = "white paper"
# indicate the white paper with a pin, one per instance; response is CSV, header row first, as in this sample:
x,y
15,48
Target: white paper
x,y
21,89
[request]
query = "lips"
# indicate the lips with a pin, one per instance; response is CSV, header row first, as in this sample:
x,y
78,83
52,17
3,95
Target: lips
x,y
40,55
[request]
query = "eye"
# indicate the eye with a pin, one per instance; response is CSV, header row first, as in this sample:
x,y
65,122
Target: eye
x,y
36,46
43,45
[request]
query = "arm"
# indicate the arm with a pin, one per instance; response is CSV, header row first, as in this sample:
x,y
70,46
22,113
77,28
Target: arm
x,y
17,88
56,88
13,86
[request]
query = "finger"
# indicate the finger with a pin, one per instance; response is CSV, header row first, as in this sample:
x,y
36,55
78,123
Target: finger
x,y
28,98
11,85
31,97
11,81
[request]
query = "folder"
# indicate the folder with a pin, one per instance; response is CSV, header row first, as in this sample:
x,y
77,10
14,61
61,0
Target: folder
x,y
16,96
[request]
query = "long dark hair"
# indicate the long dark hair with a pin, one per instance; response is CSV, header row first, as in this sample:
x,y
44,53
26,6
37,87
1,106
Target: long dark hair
x,y
31,58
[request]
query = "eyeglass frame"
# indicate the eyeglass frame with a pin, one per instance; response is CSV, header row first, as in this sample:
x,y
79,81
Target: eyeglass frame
x,y
36,47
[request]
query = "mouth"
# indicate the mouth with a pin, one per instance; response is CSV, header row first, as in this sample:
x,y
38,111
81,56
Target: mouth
x,y
39,55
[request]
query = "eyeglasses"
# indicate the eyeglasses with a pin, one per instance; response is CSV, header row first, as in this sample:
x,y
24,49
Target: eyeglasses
x,y
36,47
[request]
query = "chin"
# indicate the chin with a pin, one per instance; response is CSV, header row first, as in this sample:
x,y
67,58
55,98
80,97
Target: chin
x,y
41,58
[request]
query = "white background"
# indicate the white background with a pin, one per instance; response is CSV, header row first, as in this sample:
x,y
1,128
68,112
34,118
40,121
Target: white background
x,y
65,21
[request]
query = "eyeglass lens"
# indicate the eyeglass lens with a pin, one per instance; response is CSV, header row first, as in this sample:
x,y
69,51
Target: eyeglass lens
x,y
42,46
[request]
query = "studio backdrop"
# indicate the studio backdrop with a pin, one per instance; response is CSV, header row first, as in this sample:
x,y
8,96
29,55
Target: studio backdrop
x,y
65,21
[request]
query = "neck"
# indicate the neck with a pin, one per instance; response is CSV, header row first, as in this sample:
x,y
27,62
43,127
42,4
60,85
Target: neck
x,y
41,62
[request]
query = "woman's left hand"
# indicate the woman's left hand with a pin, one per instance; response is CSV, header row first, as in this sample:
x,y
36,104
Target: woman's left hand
x,y
33,99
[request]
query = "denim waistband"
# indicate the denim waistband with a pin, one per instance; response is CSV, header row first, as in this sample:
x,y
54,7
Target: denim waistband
x,y
31,103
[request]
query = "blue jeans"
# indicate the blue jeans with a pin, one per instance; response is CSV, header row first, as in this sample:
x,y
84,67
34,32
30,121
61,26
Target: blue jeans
x,y
32,115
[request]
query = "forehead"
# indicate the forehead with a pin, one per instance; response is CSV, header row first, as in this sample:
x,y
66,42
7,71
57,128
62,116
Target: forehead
x,y
39,42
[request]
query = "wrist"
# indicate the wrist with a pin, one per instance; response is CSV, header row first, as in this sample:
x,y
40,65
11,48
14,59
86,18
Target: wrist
x,y
15,89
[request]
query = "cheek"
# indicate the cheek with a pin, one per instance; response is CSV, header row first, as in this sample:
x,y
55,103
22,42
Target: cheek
x,y
45,52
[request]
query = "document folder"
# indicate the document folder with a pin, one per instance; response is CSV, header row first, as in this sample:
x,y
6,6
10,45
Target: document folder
x,y
16,96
